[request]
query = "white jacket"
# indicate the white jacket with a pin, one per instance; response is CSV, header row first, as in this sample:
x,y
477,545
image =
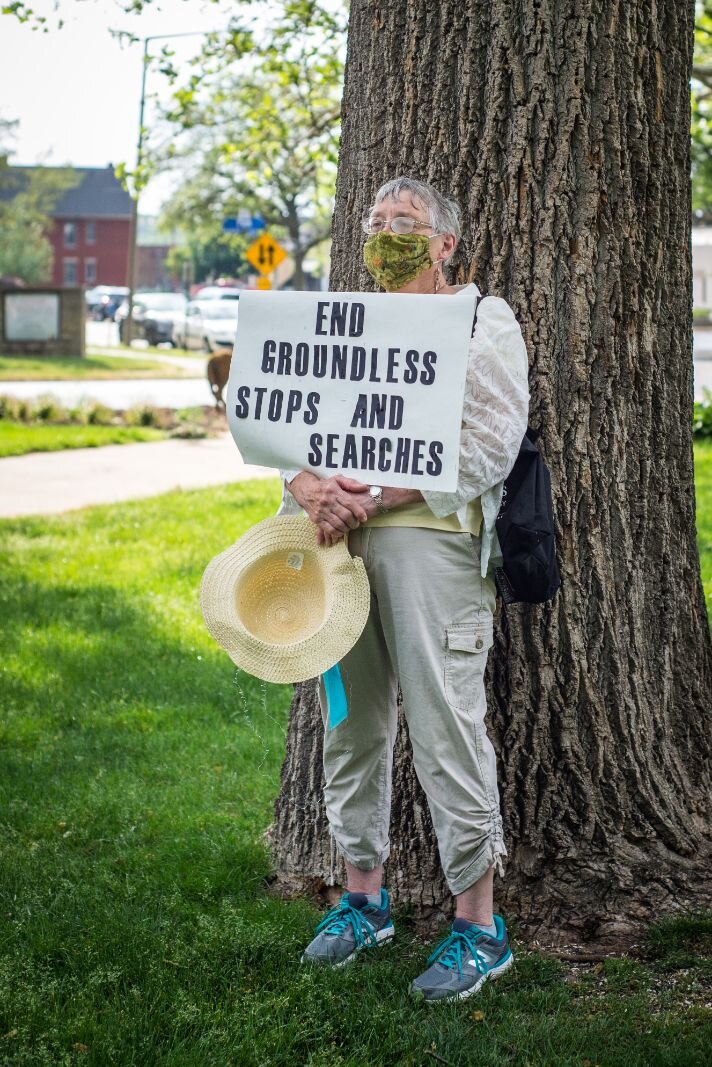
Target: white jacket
x,y
494,421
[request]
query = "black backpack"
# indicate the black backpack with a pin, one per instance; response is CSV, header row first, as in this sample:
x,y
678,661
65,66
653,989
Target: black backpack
x,y
525,527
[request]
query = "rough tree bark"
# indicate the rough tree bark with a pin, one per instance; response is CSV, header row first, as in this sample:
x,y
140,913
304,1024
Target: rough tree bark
x,y
562,127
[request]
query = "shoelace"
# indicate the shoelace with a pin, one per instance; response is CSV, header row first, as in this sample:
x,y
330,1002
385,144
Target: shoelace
x,y
452,949
342,916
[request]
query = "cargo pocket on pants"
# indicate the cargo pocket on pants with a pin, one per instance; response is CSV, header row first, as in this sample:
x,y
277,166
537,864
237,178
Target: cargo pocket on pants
x,y
467,645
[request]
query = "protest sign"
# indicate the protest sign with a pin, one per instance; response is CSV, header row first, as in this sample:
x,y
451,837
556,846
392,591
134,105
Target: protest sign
x,y
369,385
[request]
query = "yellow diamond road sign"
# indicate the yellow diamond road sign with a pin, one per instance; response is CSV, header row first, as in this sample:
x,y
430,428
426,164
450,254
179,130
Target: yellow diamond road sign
x,y
265,254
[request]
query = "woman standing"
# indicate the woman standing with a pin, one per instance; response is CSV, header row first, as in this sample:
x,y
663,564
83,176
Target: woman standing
x,y
428,557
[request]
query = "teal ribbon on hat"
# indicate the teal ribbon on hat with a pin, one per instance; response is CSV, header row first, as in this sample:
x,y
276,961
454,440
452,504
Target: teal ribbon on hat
x,y
335,696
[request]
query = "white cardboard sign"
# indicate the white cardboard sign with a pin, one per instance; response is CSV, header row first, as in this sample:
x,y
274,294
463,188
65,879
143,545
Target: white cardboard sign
x,y
369,385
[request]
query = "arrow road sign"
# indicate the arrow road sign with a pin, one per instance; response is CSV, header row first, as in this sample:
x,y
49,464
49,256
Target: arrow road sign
x,y
265,254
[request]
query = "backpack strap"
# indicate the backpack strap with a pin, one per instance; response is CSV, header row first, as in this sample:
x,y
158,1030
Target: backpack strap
x,y
480,298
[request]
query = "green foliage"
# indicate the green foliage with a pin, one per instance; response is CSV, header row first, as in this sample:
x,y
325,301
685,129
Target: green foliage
x,y
18,439
703,508
44,425
701,129
142,415
28,197
96,364
681,940
255,125
702,415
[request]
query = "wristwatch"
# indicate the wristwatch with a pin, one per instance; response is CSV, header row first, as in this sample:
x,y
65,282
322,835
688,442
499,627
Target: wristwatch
x,y
376,494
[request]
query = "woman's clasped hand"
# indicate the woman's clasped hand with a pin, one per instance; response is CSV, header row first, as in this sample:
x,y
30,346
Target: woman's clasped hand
x,y
333,508
339,504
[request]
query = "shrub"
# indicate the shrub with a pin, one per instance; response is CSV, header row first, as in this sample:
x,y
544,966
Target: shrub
x,y
11,407
143,415
189,414
98,414
189,431
78,414
702,415
47,409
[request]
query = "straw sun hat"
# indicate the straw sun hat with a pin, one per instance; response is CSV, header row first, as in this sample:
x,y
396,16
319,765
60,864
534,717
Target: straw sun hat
x,y
284,608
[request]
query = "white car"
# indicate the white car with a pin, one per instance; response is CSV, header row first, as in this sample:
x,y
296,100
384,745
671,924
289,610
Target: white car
x,y
217,292
207,325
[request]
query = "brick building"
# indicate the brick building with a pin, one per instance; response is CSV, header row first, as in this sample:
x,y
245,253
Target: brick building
x,y
91,229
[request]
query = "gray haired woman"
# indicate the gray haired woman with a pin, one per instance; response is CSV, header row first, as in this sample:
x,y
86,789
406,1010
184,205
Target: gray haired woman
x,y
429,557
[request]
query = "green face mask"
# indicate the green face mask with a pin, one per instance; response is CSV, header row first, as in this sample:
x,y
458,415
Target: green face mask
x,y
394,259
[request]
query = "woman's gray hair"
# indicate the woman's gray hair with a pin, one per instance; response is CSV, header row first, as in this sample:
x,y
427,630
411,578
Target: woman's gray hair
x,y
444,214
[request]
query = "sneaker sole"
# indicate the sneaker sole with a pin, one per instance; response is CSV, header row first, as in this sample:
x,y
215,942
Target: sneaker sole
x,y
382,936
491,975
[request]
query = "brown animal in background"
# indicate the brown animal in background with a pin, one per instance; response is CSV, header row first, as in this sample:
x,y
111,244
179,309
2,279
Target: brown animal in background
x,y
218,374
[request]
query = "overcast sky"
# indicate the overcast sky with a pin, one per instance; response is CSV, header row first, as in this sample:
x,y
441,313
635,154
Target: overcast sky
x,y
75,91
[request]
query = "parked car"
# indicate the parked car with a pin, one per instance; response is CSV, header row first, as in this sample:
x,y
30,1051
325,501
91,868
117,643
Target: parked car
x,y
217,292
207,324
103,301
154,316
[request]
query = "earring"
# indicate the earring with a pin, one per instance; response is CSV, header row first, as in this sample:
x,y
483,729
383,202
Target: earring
x,y
437,283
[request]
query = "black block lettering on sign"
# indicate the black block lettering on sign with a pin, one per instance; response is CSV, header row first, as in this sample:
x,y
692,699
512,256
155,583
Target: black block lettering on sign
x,y
402,462
350,457
338,362
284,362
311,414
340,312
242,408
321,307
332,443
260,394
427,376
385,447
267,357
274,410
314,455
410,374
393,365
434,465
294,404
301,359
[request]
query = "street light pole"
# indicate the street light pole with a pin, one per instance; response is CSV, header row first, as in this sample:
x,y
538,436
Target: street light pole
x,y
133,227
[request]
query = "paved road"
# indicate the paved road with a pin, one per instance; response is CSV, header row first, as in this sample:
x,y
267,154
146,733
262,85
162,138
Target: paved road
x,y
121,392
45,483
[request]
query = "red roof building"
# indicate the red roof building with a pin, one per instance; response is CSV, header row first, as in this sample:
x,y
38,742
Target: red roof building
x,y
91,230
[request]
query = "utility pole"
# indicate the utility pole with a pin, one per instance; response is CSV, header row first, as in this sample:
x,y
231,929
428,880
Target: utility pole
x,y
133,229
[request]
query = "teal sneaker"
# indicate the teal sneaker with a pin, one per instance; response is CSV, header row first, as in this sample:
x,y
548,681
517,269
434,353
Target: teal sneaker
x,y
463,962
347,929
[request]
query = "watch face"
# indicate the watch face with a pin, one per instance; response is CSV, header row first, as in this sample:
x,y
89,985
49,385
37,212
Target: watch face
x,y
375,491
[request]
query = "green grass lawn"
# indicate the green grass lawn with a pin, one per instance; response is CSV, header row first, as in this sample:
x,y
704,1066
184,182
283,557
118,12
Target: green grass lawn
x,y
703,494
18,438
150,350
96,364
138,771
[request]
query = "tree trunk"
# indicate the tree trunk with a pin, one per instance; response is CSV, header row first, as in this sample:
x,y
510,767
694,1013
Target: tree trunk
x,y
562,128
294,229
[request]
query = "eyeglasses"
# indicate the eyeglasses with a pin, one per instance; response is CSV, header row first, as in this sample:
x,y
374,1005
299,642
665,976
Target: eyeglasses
x,y
401,224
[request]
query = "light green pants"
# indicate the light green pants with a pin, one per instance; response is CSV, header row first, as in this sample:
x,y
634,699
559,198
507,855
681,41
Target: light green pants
x,y
429,628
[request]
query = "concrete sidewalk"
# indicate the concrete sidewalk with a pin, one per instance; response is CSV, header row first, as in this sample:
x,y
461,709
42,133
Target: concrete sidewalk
x,y
44,483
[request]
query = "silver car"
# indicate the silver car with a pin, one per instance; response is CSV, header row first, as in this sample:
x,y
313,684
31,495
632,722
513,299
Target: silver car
x,y
207,325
